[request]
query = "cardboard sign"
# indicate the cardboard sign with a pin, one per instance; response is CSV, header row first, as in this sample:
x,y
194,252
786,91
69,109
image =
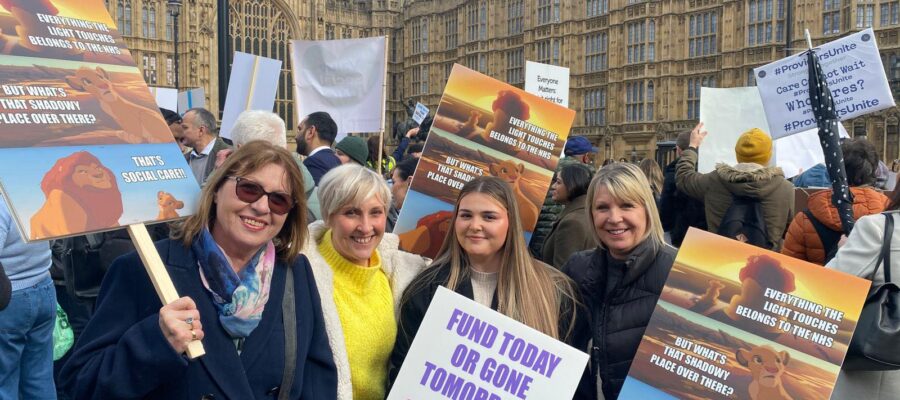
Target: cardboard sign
x,y
800,152
420,113
252,86
547,81
465,348
482,127
165,97
855,77
83,146
741,322
193,98
344,78
726,114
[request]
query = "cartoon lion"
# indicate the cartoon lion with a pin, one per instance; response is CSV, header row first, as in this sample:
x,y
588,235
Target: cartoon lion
x,y
508,104
766,367
761,272
141,124
167,206
81,196
428,236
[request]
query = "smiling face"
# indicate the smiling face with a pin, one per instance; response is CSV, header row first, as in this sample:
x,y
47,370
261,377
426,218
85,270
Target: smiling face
x,y
91,175
242,228
481,227
357,229
621,225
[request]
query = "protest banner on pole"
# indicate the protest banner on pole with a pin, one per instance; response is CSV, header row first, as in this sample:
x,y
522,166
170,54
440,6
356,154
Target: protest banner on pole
x,y
420,113
728,112
549,82
83,146
745,323
165,97
345,78
854,73
466,348
192,98
252,86
482,127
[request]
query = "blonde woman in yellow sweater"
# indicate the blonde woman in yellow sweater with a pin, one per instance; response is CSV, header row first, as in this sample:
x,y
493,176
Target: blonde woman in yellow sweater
x,y
361,275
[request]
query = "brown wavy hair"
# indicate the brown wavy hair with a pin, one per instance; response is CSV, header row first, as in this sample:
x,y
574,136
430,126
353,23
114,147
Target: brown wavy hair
x,y
244,161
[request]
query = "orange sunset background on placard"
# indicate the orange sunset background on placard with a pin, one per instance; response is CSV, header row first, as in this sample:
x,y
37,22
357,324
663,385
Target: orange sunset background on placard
x,y
481,92
88,10
725,258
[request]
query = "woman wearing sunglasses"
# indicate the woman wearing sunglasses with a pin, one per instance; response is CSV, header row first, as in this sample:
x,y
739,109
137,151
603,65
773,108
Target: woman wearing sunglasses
x,y
232,262
361,274
484,257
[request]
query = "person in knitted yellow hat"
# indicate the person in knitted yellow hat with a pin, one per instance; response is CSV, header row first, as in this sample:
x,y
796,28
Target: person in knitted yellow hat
x,y
751,181
754,146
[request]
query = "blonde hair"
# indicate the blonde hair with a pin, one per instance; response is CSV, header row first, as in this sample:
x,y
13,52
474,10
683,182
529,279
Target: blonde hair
x,y
626,182
528,290
249,158
654,175
350,184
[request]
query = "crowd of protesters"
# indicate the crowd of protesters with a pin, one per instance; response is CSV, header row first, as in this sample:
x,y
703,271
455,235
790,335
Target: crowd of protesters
x,y
294,282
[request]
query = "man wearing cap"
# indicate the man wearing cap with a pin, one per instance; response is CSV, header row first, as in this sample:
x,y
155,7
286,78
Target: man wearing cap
x,y
677,210
750,177
578,149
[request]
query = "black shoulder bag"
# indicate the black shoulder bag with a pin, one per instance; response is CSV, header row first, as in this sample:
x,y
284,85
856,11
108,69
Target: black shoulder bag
x,y
289,316
877,338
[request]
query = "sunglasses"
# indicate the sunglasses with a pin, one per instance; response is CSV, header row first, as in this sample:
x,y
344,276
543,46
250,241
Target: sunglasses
x,y
249,192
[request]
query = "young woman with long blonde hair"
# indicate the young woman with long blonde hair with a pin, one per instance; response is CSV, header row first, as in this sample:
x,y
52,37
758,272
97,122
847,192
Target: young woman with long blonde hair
x,y
485,258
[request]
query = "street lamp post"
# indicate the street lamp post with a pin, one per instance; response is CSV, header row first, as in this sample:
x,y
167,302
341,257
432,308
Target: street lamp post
x,y
174,7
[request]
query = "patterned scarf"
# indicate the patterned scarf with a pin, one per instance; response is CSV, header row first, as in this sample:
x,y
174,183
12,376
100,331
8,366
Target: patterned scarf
x,y
240,299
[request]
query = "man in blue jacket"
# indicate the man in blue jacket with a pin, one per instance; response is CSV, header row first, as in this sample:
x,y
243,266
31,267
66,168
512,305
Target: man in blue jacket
x,y
315,136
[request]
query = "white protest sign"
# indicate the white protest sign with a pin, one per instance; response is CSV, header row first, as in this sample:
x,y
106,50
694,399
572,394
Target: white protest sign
x,y
800,152
547,81
252,86
342,77
420,113
193,98
855,78
726,114
165,97
466,350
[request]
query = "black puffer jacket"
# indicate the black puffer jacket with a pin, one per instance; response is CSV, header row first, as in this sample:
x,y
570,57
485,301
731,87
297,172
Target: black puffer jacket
x,y
618,318
677,210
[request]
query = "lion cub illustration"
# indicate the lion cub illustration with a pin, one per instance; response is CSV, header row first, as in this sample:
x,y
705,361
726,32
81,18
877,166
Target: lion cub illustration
x,y
710,297
167,206
511,172
141,124
766,367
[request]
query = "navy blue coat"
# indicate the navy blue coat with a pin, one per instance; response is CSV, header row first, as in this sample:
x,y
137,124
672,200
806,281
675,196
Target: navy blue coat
x,y
320,163
123,354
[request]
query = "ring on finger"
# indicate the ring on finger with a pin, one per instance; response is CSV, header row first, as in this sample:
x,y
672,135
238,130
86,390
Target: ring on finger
x,y
189,321
193,335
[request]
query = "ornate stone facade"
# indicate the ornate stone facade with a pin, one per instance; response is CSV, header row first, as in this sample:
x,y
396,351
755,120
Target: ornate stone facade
x,y
636,65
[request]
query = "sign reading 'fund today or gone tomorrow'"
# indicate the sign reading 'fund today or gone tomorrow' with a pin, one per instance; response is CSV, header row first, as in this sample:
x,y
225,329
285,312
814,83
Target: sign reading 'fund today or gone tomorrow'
x,y
464,350
855,78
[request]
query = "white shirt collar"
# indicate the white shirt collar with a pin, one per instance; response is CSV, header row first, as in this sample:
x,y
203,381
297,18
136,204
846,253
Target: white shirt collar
x,y
206,150
318,149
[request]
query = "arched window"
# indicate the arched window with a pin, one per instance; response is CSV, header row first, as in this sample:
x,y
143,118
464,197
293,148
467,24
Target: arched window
x,y
126,24
145,22
120,16
152,19
262,28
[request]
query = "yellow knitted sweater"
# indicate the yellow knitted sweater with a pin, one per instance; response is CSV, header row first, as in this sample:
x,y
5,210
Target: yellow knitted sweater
x,y
366,308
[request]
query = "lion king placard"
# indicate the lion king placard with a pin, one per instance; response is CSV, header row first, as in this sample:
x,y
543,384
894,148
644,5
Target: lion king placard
x,y
83,147
482,127
740,322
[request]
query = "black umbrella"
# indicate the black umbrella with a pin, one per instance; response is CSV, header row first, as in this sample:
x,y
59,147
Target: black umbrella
x,y
827,120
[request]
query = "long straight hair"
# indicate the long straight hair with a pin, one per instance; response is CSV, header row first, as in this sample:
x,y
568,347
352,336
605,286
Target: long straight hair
x,y
528,291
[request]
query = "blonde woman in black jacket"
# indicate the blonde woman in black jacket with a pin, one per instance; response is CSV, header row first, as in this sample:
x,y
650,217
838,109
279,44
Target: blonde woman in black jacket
x,y
621,280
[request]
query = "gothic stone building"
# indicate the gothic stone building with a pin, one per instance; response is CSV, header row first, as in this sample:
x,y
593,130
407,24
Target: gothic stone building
x,y
636,65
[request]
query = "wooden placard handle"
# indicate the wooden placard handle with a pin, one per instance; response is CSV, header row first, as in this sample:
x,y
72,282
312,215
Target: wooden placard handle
x,y
162,282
